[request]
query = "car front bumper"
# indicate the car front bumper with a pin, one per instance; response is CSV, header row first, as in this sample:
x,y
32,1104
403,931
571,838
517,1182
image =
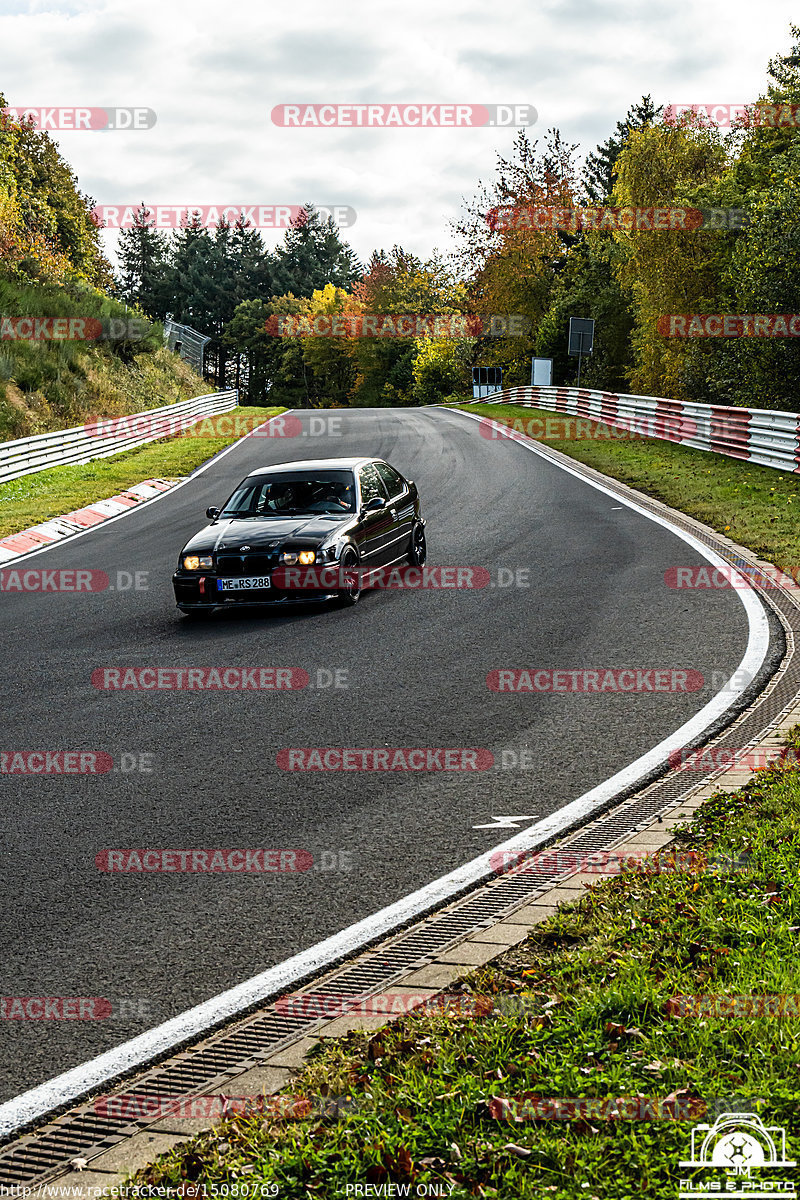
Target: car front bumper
x,y
200,592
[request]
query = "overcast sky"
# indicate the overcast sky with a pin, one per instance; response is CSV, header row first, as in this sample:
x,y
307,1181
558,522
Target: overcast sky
x,y
213,73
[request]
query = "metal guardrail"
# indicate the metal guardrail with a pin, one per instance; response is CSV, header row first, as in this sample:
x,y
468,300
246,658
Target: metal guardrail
x,y
768,437
107,435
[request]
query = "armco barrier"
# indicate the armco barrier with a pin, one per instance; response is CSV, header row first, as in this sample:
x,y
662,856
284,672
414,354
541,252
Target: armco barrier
x,y
83,443
765,436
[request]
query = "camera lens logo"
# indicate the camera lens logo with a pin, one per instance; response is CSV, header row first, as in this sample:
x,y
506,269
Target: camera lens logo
x,y
738,1143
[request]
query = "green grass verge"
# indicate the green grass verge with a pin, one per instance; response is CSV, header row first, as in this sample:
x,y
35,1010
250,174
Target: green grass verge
x,y
597,978
754,506
35,498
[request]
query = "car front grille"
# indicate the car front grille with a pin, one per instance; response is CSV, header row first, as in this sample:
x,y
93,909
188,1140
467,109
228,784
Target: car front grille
x,y
235,566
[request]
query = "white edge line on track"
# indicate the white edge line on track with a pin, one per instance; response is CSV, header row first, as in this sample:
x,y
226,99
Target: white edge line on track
x,y
73,537
72,1084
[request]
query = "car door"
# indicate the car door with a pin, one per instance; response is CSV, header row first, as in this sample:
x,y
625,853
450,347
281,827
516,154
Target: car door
x,y
401,505
378,527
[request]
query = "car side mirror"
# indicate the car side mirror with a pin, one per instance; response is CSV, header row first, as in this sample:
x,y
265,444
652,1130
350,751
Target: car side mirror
x,y
376,503
212,513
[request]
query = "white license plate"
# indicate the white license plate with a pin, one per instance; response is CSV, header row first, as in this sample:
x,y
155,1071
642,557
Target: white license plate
x,y
244,585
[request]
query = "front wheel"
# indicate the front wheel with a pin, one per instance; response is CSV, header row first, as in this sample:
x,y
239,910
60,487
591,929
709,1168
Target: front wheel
x,y
417,551
351,593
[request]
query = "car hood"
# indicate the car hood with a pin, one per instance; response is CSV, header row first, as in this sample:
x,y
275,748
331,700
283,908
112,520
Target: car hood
x,y
259,534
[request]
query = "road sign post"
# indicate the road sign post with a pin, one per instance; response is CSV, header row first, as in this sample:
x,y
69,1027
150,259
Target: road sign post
x,y
581,339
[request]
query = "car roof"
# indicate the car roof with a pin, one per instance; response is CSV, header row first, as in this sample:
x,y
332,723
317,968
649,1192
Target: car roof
x,y
316,464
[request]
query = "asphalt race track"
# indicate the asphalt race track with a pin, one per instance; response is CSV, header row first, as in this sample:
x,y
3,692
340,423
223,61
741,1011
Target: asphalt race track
x,y
415,664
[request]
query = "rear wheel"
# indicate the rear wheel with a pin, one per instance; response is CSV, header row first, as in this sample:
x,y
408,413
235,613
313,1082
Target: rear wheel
x,y
351,593
417,551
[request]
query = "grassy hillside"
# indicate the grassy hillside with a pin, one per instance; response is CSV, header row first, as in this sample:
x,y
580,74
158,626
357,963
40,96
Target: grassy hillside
x,y
48,385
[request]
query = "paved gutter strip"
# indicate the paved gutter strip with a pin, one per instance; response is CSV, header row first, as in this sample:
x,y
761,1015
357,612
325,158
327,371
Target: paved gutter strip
x,y
260,1053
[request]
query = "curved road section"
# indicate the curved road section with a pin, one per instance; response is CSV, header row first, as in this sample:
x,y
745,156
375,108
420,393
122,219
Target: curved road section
x,y
508,687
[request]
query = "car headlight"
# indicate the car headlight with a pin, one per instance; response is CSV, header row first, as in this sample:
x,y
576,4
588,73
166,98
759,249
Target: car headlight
x,y
306,557
194,562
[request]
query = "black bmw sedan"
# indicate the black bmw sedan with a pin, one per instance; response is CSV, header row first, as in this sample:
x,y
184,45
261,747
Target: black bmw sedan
x,y
333,512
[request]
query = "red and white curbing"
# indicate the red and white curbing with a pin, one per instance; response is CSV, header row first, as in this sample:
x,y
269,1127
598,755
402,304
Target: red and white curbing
x,y
58,528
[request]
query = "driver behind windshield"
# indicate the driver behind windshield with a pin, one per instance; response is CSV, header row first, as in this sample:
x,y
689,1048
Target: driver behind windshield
x,y
332,497
294,496
282,496
311,496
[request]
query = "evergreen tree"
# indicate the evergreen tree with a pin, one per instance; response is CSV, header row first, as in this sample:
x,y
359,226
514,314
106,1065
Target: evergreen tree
x,y
187,278
313,254
142,252
219,273
598,171
254,264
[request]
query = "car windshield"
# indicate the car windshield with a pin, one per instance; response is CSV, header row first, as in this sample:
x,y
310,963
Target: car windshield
x,y
327,492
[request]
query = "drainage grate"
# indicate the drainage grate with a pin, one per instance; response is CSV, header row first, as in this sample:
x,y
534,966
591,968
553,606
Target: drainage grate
x,y
45,1154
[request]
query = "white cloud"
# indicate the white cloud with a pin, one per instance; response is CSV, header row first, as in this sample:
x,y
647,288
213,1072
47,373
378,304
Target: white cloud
x,y
214,73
